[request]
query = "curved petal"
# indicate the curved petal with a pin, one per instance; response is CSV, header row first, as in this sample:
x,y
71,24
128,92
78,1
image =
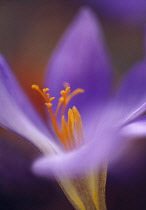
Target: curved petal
x,y
16,121
15,111
131,96
100,149
10,88
136,129
81,60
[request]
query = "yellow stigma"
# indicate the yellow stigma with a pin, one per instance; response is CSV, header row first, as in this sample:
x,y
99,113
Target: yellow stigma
x,y
70,132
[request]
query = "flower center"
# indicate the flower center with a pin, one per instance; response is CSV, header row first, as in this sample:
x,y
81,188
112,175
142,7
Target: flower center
x,y
70,132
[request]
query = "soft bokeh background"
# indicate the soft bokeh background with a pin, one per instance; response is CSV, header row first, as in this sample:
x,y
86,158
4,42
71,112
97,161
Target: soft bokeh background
x,y
29,31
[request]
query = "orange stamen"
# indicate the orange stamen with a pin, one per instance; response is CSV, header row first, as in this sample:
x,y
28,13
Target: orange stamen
x,y
71,125
78,123
43,93
65,132
70,133
74,93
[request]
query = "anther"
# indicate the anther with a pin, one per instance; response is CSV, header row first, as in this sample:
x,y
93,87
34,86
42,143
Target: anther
x,y
70,132
45,90
36,87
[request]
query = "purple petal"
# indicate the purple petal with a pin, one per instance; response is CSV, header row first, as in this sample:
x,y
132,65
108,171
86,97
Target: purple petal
x,y
136,129
101,147
13,119
81,60
15,110
131,96
14,91
141,109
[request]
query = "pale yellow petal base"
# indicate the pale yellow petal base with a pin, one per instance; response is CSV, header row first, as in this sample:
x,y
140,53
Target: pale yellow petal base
x,y
87,192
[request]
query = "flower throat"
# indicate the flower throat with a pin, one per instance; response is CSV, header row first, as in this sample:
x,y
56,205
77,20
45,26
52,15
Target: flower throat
x,y
70,132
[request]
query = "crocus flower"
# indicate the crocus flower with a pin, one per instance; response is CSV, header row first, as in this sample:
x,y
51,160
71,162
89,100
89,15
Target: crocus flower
x,y
132,11
82,140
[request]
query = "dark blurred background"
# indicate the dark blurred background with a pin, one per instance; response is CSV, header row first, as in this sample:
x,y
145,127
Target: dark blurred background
x,y
29,31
